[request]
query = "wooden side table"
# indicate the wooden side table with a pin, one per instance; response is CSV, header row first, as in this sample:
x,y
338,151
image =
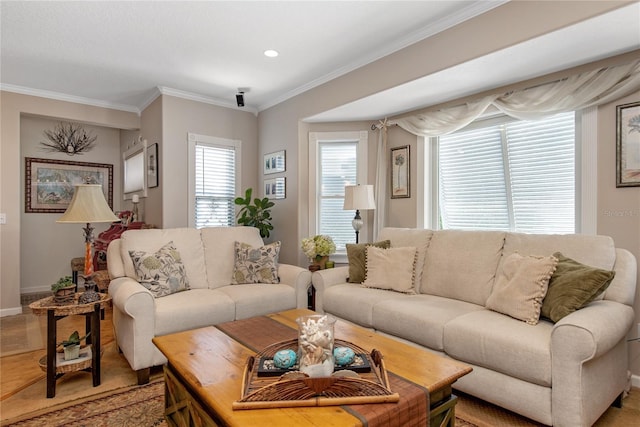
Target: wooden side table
x,y
53,363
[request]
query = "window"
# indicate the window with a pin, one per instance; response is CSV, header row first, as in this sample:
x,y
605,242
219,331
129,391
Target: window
x,y
515,176
336,159
214,172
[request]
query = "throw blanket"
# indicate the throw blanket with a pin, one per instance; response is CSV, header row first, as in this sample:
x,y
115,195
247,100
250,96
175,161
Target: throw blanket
x,y
257,333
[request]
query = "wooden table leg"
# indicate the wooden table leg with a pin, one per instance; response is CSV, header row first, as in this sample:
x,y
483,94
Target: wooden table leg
x,y
51,354
95,341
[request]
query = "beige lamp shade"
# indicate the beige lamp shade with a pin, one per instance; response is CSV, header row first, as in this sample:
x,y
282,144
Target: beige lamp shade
x,y
358,197
88,205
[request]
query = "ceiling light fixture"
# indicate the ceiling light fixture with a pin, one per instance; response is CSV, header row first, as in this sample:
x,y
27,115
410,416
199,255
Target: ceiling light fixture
x,y
271,53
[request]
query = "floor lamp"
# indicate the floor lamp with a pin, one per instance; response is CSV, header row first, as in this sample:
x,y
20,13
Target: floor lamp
x,y
358,197
88,205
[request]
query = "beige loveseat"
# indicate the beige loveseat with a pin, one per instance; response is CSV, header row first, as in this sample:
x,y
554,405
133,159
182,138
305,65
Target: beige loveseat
x,y
208,258
565,373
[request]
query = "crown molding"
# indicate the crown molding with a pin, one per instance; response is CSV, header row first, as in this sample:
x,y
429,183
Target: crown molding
x,y
68,98
473,10
204,99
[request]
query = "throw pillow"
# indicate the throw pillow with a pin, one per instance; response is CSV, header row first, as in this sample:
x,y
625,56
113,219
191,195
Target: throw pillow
x,y
162,272
256,265
355,255
392,269
572,286
521,286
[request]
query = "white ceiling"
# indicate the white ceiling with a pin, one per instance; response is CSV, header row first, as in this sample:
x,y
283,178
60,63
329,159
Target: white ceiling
x,y
119,54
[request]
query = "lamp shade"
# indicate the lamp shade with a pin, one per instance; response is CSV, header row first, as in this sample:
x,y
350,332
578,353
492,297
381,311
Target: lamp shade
x,y
358,197
88,205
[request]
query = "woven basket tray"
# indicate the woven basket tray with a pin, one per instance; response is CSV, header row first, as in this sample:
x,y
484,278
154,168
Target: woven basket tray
x,y
295,389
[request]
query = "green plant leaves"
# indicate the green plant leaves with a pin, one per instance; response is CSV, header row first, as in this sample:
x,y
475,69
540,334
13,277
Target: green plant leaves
x,y
255,215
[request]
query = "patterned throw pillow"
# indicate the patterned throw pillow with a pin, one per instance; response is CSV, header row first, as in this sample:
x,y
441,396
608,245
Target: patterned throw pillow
x,y
256,265
162,272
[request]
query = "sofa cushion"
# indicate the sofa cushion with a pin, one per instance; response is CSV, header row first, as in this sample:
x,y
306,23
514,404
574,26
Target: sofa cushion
x,y
355,255
186,240
392,269
419,318
402,237
192,309
572,286
219,251
503,344
521,285
162,272
350,301
256,299
255,265
462,264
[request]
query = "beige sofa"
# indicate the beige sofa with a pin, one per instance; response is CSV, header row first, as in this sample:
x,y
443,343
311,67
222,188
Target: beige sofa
x,y
564,374
208,258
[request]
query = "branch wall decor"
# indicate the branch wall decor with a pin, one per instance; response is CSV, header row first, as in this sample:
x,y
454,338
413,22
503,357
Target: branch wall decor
x,y
69,138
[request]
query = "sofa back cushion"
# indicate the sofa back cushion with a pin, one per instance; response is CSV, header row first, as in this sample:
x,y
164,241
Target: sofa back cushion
x,y
462,264
186,241
219,251
410,237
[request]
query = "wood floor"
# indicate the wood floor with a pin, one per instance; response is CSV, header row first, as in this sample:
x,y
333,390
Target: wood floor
x,y
19,371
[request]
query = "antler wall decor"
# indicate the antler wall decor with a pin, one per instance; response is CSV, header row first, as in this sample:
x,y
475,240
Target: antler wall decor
x,y
70,138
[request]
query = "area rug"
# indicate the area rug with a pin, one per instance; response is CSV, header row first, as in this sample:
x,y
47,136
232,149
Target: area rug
x,y
136,406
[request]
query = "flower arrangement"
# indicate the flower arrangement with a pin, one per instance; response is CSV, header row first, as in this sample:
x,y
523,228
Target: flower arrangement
x,y
318,246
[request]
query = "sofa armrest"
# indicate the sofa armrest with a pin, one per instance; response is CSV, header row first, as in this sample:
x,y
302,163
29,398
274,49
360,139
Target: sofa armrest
x,y
324,279
297,277
591,331
589,361
131,297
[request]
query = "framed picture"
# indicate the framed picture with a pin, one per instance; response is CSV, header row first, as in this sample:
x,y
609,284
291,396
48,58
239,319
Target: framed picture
x,y
275,188
628,145
152,166
400,178
274,162
49,183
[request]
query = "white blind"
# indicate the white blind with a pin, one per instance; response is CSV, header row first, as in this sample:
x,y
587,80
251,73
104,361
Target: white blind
x,y
517,176
215,183
337,168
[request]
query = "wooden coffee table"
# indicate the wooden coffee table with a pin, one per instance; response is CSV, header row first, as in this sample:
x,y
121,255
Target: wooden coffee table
x,y
205,370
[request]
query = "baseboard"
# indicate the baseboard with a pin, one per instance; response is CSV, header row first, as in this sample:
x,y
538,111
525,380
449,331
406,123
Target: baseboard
x,y
635,381
10,311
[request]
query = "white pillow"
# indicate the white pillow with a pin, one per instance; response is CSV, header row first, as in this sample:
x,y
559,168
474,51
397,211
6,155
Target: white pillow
x,y
521,286
392,269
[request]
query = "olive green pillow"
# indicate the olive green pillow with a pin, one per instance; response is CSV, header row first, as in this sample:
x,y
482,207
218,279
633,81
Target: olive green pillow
x,y
355,254
572,286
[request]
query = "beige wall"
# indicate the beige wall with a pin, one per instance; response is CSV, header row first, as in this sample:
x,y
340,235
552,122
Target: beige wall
x,y
618,208
13,106
51,244
180,117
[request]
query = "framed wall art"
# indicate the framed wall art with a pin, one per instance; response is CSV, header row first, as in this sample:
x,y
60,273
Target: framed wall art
x,y
152,166
49,183
628,145
400,177
275,188
275,162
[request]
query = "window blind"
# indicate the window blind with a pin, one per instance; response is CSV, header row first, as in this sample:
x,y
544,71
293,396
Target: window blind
x,y
215,183
517,176
337,168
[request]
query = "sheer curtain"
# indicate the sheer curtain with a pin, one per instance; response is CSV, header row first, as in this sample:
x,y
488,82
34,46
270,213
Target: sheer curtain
x,y
572,93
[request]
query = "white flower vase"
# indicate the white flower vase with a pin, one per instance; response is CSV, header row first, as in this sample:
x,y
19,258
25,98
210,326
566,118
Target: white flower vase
x,y
71,352
315,345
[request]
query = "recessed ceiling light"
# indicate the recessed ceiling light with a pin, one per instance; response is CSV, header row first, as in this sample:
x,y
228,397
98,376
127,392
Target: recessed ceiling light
x,y
271,53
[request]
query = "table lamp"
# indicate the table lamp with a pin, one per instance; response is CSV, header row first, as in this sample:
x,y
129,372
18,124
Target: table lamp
x,y
88,205
358,197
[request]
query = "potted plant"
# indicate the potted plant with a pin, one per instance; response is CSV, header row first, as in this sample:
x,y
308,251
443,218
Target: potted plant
x,y
257,214
317,249
63,290
72,346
